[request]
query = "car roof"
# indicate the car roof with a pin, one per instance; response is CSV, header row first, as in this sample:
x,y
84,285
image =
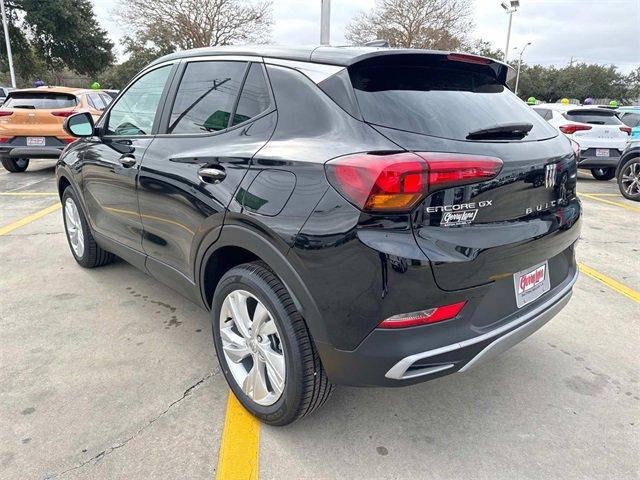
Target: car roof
x,y
69,90
341,56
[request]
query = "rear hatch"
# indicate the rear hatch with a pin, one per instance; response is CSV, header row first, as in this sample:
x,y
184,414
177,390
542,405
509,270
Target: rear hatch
x,y
36,114
488,230
605,130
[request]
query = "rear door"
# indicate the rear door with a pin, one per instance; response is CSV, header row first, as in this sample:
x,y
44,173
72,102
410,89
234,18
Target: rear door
x,y
478,233
191,171
112,161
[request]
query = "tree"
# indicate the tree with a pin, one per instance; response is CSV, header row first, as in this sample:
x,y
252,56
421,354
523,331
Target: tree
x,y
484,49
53,34
184,24
431,24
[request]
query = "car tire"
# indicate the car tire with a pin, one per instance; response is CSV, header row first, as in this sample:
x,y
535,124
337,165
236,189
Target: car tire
x,y
292,383
81,242
629,179
603,174
15,165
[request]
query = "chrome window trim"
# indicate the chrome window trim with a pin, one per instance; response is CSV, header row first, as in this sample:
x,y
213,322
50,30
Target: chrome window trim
x,y
316,72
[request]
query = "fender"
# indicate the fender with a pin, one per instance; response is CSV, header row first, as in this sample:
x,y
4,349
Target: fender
x,y
632,150
257,243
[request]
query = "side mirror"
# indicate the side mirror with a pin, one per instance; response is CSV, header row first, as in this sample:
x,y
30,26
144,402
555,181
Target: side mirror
x,y
79,125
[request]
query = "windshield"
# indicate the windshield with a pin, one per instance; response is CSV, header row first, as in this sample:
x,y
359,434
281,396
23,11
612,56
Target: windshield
x,y
37,100
448,100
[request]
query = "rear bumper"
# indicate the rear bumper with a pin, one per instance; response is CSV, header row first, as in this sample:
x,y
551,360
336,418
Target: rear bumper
x,y
393,358
588,159
30,152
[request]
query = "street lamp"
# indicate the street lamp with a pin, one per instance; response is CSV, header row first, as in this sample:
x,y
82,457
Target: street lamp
x,y
519,64
7,43
509,8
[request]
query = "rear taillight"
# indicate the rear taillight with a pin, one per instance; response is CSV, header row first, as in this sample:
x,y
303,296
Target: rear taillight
x,y
5,113
571,128
626,129
68,140
4,139
63,113
384,182
423,317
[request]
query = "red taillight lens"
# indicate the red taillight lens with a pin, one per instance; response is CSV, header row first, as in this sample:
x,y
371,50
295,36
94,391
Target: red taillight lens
x,y
383,182
423,317
626,129
4,139
571,128
68,140
5,113
63,113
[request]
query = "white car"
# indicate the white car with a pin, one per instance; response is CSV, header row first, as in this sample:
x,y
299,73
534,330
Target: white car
x,y
599,132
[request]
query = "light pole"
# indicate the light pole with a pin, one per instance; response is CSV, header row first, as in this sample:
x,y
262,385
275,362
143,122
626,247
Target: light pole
x,y
510,8
325,21
519,64
8,43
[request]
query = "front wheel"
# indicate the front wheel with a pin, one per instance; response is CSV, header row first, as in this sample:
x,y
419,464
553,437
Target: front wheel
x,y
629,179
603,173
15,165
264,348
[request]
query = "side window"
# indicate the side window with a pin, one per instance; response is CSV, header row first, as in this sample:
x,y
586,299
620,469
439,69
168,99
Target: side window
x,y
135,110
95,100
254,98
106,99
543,112
206,96
631,119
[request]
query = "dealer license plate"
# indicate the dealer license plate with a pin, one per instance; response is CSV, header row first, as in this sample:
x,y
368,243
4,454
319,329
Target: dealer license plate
x,y
35,141
530,284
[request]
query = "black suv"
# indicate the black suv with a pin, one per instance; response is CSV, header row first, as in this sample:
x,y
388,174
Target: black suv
x,y
353,216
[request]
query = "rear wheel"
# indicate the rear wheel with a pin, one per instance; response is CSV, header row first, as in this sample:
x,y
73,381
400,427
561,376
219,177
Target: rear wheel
x,y
81,242
603,173
15,165
629,179
264,348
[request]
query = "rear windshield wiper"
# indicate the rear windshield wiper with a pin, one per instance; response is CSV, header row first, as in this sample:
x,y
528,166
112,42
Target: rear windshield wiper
x,y
506,130
30,107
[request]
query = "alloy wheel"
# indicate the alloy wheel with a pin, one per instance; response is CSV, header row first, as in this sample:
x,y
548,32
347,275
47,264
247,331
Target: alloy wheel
x,y
252,347
631,179
74,227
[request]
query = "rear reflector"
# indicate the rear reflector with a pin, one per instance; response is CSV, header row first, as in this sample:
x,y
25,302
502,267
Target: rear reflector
x,y
5,113
463,57
572,128
63,113
626,129
384,182
423,317
4,139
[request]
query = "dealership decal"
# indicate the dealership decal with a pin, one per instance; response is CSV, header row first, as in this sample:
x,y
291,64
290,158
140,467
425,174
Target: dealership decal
x,y
458,218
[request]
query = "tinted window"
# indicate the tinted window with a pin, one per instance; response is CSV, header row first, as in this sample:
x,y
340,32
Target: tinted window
x,y
135,110
40,100
630,119
206,96
544,113
443,99
95,100
106,99
594,117
254,98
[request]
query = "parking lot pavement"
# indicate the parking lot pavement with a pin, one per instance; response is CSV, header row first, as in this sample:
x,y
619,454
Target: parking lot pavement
x,y
108,374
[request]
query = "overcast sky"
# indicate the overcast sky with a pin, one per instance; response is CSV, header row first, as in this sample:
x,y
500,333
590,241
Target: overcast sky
x,y
592,31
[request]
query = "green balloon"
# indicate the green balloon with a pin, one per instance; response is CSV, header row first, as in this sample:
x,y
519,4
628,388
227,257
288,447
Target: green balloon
x,y
95,86
531,100
613,103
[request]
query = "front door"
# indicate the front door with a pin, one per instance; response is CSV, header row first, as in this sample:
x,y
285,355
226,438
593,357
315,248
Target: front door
x,y
112,161
192,169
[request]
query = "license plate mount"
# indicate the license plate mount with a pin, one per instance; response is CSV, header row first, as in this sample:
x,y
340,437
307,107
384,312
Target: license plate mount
x,y
35,141
602,152
531,284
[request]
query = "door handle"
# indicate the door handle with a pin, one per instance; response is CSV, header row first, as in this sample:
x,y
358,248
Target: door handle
x,y
212,174
127,160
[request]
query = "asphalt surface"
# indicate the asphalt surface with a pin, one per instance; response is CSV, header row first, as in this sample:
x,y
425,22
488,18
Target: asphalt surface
x,y
107,374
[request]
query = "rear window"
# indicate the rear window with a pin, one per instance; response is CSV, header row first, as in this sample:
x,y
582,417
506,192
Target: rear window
x,y
544,113
593,117
445,99
37,100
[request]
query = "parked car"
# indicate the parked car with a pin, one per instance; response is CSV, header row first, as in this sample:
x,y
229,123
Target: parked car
x,y
31,122
630,116
4,91
599,132
352,216
112,93
628,172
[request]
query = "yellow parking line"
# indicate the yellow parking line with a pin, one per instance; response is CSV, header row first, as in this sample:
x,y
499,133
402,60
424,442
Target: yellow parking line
x,y
610,282
609,202
238,457
28,194
28,219
603,194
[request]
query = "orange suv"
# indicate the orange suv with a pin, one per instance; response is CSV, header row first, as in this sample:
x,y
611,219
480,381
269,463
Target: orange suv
x,y
31,122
